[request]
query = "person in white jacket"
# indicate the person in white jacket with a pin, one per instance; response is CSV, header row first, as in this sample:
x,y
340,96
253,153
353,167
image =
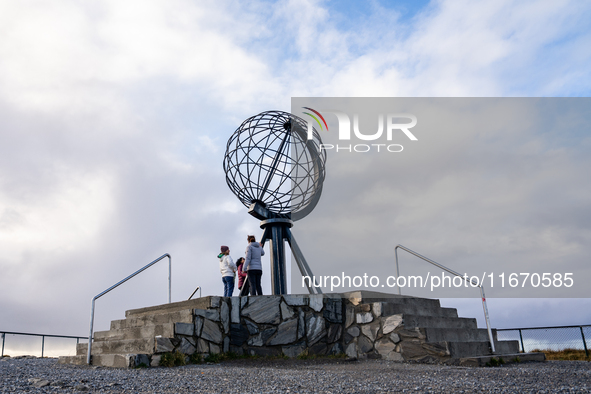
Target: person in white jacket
x,y
227,268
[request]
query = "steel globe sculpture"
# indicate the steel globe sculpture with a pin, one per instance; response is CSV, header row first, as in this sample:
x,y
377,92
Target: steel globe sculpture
x,y
277,171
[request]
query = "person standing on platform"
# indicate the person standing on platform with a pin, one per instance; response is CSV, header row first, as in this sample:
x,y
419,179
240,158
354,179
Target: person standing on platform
x,y
227,268
241,273
253,265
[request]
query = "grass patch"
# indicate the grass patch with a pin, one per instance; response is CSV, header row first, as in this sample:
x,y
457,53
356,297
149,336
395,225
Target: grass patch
x,y
175,359
564,355
495,362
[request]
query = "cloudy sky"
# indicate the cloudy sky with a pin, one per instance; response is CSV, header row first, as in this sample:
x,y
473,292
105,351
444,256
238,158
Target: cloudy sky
x,y
114,118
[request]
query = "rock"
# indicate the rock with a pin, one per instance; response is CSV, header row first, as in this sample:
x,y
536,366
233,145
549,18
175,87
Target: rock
x,y
371,330
211,331
39,382
336,349
268,333
390,323
294,350
364,345
301,324
236,350
198,325
414,333
243,302
286,333
256,341
353,331
319,349
384,347
211,314
333,312
334,333
202,346
347,338
186,347
81,387
226,344
286,312
316,302
377,309
235,315
163,345
363,308
265,351
214,302
295,300
263,309
184,329
215,349
394,337
365,317
315,328
238,334
225,316
141,360
349,316
155,361
262,338
253,329
351,350
412,349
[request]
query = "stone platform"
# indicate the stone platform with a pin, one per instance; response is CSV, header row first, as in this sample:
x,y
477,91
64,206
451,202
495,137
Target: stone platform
x,y
361,324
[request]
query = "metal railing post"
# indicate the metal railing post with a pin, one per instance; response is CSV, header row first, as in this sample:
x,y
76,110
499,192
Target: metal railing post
x,y
584,342
484,307
42,345
521,339
3,338
120,283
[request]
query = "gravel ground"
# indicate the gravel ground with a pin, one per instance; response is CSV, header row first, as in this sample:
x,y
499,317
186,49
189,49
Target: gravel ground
x,y
25,374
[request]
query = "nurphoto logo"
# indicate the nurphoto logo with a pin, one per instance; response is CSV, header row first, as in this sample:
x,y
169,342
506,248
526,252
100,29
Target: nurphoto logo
x,y
394,124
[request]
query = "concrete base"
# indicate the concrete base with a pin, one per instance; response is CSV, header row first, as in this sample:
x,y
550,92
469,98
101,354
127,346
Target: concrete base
x,y
361,324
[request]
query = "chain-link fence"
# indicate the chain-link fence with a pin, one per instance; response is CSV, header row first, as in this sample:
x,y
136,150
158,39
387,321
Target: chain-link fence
x,y
549,338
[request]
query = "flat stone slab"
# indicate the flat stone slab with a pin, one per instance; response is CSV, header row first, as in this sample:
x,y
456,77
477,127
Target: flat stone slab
x,y
482,361
263,310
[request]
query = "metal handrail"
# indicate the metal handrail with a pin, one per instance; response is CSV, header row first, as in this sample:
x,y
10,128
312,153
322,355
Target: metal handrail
x,y
549,328
36,335
119,283
192,294
484,307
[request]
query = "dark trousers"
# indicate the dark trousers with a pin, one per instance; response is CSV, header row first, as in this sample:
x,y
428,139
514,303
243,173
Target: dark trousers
x,y
254,282
228,285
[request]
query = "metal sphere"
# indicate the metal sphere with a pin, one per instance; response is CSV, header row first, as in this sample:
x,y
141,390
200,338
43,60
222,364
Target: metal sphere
x,y
270,160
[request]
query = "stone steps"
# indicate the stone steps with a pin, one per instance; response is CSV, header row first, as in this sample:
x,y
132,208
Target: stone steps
x,y
119,346
411,321
163,317
473,349
361,324
165,330
198,303
417,310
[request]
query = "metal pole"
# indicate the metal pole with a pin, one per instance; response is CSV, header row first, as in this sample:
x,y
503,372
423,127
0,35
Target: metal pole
x,y
120,283
490,336
90,333
584,342
42,345
521,339
3,338
397,271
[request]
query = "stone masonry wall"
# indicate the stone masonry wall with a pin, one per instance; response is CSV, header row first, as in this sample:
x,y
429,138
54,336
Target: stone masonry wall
x,y
299,324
